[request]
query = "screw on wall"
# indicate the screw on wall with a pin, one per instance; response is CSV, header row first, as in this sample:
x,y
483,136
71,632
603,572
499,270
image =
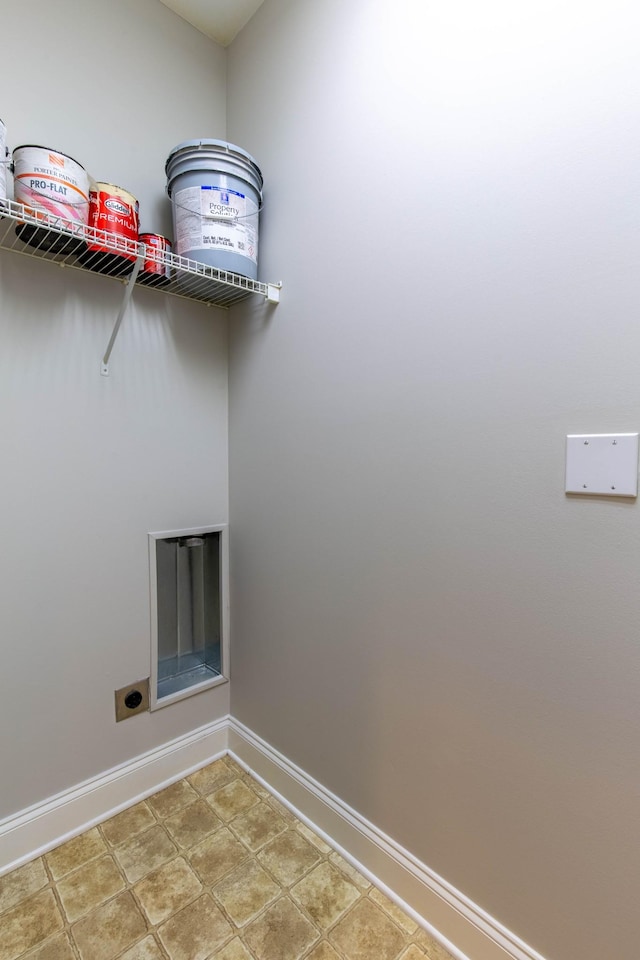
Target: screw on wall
x,y
132,699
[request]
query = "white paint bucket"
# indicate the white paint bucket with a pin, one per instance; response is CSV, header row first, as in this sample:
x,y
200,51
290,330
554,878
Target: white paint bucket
x,y
4,161
216,193
50,184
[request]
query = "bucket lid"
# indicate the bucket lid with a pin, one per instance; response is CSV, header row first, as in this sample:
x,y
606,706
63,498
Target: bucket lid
x,y
100,184
206,144
38,146
154,237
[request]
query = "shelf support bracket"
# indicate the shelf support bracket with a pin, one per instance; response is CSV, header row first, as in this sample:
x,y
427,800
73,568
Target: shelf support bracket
x,y
273,292
131,282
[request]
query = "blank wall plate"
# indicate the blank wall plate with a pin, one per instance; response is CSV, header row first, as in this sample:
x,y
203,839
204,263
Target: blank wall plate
x,y
602,463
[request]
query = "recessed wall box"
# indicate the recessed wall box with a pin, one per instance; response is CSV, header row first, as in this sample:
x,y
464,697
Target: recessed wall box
x,y
189,612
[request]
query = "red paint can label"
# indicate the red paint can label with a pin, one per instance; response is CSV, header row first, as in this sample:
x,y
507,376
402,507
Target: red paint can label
x,y
115,211
156,247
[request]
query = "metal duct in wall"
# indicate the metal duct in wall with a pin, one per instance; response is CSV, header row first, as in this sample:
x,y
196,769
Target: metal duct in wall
x,y
189,612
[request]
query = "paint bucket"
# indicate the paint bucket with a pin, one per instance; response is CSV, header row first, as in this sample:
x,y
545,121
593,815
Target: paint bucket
x,y
50,185
4,161
153,272
115,211
216,193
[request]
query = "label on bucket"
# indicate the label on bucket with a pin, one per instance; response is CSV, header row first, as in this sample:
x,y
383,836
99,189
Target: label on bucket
x,y
50,181
114,211
156,247
216,218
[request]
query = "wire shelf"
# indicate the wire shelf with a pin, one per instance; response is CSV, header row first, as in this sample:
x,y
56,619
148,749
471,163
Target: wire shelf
x,y
81,247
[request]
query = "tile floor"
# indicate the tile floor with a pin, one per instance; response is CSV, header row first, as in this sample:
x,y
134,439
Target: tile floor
x,y
213,866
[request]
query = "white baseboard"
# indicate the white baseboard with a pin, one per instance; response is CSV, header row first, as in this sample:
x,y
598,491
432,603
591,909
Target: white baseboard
x,y
461,926
39,828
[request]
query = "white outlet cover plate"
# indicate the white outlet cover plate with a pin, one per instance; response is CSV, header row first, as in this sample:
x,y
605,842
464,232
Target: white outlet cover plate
x,y
605,464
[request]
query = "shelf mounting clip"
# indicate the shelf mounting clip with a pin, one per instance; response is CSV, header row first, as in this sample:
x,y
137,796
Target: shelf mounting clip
x,y
273,292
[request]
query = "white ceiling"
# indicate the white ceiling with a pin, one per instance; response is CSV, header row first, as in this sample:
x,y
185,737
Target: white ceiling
x,y
219,19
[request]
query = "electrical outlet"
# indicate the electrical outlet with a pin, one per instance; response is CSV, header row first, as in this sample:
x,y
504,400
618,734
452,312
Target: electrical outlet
x,y
132,699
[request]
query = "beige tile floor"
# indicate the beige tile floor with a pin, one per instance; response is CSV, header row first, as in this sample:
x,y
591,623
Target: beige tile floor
x,y
213,866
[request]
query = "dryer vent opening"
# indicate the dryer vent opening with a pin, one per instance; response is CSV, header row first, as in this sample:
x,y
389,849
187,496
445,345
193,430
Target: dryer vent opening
x,y
189,607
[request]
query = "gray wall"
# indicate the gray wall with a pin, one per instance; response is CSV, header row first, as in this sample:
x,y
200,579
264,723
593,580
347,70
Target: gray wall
x,y
423,620
90,464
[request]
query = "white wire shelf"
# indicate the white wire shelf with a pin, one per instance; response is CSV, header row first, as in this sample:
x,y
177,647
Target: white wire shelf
x,y
69,245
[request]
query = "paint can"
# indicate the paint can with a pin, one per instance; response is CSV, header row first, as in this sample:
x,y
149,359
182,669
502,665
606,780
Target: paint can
x,y
4,161
115,211
154,272
216,193
54,186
